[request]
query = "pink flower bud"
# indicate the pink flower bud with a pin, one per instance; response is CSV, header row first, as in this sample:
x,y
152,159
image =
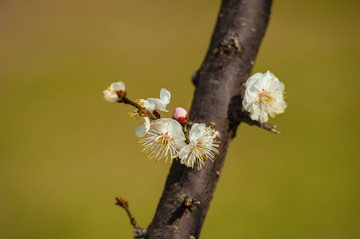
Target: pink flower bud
x,y
180,115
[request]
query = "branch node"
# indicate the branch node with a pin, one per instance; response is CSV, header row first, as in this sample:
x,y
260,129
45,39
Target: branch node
x,y
188,202
140,232
230,45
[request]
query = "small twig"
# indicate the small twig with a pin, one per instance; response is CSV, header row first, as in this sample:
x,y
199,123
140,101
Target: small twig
x,y
272,128
136,105
139,231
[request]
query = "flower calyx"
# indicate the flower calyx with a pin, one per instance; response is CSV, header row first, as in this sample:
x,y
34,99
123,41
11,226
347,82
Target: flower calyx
x,y
143,112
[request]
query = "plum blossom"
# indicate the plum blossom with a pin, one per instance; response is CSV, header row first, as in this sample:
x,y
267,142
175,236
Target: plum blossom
x,y
154,104
264,95
115,92
202,146
163,140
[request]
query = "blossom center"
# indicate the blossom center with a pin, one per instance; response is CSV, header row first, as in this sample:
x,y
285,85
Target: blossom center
x,y
164,139
266,98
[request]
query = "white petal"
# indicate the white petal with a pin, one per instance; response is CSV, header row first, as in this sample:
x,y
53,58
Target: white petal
x,y
281,107
118,86
110,97
147,124
254,116
140,131
162,124
197,130
184,152
253,79
264,117
281,87
148,105
152,104
165,96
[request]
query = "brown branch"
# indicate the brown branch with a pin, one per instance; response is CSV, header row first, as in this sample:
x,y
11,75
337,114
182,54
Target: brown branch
x,y
218,95
139,231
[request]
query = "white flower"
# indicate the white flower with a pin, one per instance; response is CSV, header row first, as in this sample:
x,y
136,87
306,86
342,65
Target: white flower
x,y
116,91
163,140
151,104
264,95
202,146
154,104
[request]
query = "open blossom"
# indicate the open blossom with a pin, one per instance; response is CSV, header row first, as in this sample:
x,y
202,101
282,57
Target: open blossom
x,y
163,140
115,92
154,104
203,145
264,95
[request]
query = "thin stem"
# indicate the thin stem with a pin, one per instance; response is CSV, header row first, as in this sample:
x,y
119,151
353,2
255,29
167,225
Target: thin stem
x,y
269,127
139,231
186,132
136,105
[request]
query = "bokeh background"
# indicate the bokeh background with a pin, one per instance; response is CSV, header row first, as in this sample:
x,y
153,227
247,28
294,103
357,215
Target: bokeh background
x,y
65,153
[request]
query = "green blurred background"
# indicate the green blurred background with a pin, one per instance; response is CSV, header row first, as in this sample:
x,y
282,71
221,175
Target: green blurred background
x,y
65,153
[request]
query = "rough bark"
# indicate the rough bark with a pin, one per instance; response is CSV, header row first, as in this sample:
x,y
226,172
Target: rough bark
x,y
219,83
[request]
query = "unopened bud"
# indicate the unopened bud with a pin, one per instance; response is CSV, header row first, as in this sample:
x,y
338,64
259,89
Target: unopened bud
x,y
122,202
157,114
181,115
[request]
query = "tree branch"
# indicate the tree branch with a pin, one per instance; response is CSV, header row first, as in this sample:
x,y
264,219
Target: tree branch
x,y
139,231
218,95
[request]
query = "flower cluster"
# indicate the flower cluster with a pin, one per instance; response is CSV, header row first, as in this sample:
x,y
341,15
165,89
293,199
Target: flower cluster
x,y
166,138
264,96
